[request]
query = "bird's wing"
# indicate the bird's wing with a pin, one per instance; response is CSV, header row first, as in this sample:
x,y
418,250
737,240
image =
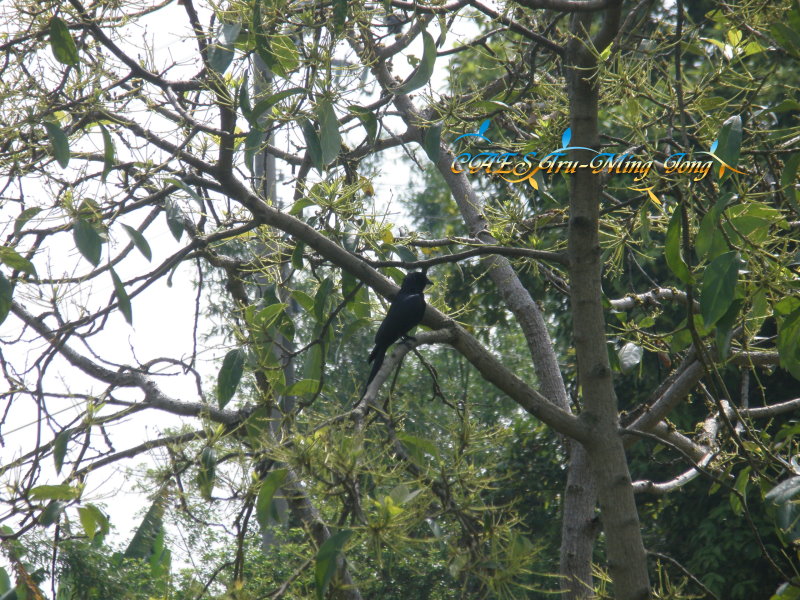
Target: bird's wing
x,y
404,314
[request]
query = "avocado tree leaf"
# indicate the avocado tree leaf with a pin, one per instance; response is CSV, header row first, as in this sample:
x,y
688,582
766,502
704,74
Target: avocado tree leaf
x,y
58,142
60,449
62,44
88,241
329,138
6,291
272,482
13,259
327,556
672,248
123,300
719,283
108,153
432,140
230,373
312,144
424,69
139,241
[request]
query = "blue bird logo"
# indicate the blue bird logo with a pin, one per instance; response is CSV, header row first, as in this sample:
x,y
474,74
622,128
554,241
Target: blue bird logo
x,y
481,130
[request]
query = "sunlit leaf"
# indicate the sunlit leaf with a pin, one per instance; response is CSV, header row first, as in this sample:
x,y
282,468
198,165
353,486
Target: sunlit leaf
x,y
431,141
14,260
425,68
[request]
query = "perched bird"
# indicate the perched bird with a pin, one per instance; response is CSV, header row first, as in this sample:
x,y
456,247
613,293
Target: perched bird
x,y
405,313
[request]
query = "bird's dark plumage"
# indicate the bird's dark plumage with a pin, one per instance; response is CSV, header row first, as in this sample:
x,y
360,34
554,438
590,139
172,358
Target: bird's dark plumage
x,y
405,313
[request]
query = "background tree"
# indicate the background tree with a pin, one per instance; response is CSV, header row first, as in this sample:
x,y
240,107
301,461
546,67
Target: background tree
x,y
559,293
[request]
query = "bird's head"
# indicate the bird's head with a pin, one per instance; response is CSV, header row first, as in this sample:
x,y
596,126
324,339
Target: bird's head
x,y
415,282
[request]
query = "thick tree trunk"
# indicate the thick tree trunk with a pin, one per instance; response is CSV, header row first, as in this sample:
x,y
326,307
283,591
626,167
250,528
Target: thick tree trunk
x,y
627,560
578,527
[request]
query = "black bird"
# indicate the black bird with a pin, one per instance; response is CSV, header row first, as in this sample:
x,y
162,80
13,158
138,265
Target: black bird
x,y
405,313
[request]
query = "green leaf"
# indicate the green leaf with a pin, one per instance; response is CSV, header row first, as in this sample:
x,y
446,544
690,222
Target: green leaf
x,y
304,300
88,241
329,138
326,560
27,214
221,54
88,519
672,248
58,142
787,37
6,291
5,582
51,513
719,283
321,299
339,15
229,376
180,184
244,100
312,368
108,153
789,181
60,449
272,482
368,120
724,330
54,492
425,68
284,51
709,228
174,218
267,103
14,260
149,531
742,480
630,355
303,387
207,472
138,240
297,256
431,142
123,299
788,341
312,144
62,44
730,140
252,144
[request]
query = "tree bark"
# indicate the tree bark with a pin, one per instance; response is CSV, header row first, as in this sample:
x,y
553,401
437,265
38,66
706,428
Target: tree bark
x,y
627,560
